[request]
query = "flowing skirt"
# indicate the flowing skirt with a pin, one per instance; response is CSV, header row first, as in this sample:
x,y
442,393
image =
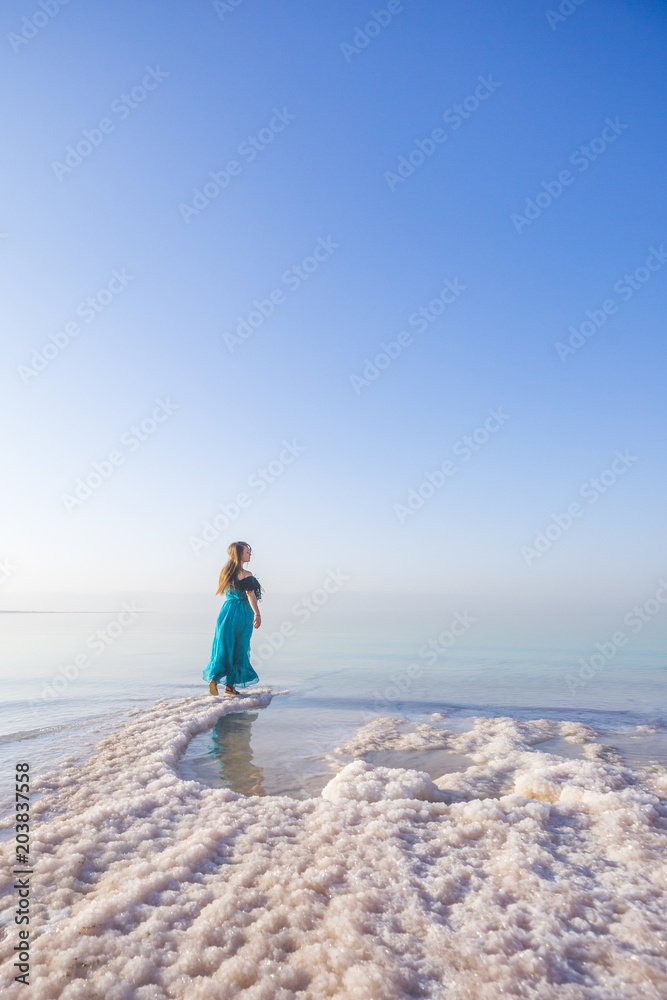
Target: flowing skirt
x,y
230,660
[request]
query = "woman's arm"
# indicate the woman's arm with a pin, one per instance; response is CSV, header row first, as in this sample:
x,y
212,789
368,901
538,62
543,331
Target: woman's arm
x,y
253,604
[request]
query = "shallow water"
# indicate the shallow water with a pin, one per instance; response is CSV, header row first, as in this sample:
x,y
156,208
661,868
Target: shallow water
x,y
337,679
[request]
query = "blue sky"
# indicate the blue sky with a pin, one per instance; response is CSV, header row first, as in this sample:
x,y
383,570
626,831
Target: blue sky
x,y
583,94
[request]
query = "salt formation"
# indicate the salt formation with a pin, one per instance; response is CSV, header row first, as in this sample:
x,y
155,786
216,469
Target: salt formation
x,y
526,875
389,733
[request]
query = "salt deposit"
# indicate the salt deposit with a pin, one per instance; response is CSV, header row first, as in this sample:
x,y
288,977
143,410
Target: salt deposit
x,y
525,875
390,733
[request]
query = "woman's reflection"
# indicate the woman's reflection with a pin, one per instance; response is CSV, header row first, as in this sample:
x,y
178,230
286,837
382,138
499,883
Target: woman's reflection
x,y
233,753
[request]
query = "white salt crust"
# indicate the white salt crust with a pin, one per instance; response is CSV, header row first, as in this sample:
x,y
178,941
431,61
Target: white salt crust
x,y
388,885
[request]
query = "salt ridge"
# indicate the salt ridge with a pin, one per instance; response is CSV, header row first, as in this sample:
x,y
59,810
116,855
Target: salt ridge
x,y
526,874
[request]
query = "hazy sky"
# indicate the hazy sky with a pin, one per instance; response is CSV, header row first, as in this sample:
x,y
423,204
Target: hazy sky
x,y
213,218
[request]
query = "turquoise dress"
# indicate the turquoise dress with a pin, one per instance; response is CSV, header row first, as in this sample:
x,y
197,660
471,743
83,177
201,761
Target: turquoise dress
x,y
230,660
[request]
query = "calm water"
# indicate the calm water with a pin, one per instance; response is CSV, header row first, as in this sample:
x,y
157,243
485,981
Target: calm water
x,y
339,670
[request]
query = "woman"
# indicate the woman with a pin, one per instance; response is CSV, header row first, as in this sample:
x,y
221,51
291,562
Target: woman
x,y
238,616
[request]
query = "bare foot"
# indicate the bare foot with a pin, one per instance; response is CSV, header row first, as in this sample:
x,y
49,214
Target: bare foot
x,y
213,687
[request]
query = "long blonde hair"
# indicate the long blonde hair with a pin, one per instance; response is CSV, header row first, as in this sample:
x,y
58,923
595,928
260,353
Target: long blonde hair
x,y
232,566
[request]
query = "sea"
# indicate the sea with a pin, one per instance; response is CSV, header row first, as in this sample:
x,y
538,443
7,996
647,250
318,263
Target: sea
x,y
422,797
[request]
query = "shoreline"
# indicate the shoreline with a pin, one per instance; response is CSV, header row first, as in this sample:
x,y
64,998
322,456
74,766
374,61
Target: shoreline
x,y
386,880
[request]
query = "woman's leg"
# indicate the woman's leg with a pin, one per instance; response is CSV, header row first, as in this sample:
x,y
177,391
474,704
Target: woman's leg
x,y
241,671
215,671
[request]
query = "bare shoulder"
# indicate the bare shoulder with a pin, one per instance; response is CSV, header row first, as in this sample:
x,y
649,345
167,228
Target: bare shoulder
x,y
243,573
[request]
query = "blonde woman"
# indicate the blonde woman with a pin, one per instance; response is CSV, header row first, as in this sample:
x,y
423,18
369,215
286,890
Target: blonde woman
x,y
238,616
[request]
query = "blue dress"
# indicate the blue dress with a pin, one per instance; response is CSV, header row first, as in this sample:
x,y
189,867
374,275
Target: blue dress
x,y
231,643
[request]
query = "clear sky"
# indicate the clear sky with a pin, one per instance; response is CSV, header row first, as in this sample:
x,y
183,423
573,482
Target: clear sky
x,y
464,181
